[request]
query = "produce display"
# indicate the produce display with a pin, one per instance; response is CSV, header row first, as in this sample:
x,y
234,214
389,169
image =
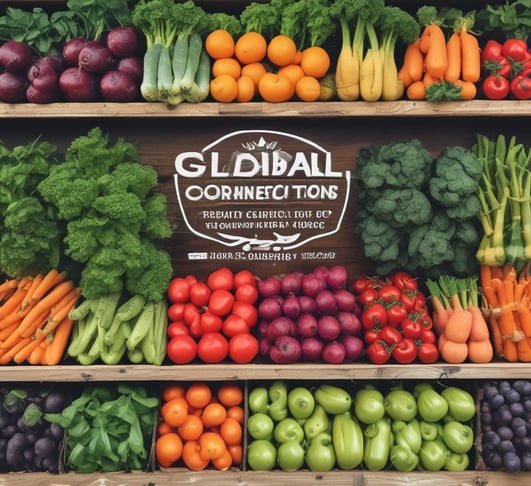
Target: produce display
x,y
212,320
108,427
200,425
504,414
309,317
324,426
29,441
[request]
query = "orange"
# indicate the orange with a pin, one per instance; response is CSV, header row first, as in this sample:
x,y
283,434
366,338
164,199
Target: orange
x,y
164,428
276,88
224,88
172,391
168,449
231,431
315,61
198,395
293,71
281,50
192,458
255,71
246,89
223,462
174,411
236,452
236,413
211,445
250,47
298,57
230,394
191,428
308,88
219,44
213,415
226,65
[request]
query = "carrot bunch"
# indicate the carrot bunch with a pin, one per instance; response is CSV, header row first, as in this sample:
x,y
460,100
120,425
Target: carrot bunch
x,y
34,322
462,329
451,62
507,305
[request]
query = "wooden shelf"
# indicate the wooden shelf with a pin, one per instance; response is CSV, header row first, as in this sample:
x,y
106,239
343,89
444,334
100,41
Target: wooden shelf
x,y
255,478
298,371
476,108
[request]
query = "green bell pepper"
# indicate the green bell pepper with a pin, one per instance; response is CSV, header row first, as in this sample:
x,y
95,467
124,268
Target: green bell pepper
x,y
457,462
461,404
403,458
320,455
431,406
347,437
407,434
400,404
333,398
278,396
433,455
301,402
287,429
317,423
369,405
378,443
259,400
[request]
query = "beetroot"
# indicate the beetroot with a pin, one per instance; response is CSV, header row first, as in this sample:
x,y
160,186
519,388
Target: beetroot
x,y
15,56
118,86
95,58
12,87
133,66
122,41
79,85
72,48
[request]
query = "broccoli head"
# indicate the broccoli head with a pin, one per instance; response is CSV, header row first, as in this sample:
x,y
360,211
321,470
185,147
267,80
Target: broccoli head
x,y
402,208
97,280
121,207
132,177
381,241
157,226
468,209
457,175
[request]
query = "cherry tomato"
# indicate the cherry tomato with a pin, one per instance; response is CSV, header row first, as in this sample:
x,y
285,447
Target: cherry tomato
x,y
234,324
210,322
428,352
222,278
176,311
248,312
221,302
403,281
178,290
495,87
396,313
405,351
378,352
213,347
177,328
389,293
200,293
182,349
374,317
244,277
247,293
243,348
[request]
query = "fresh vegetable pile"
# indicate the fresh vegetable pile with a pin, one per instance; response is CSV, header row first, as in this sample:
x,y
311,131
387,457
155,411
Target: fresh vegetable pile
x,y
326,426
200,425
504,414
417,212
396,322
29,441
212,320
108,428
309,317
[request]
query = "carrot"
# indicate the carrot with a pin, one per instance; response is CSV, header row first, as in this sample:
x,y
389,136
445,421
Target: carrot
x,y
413,65
433,44
479,330
459,326
8,354
524,315
485,275
499,287
524,350
416,91
471,57
7,287
510,351
428,79
7,331
497,272
468,89
13,303
49,281
35,358
16,334
25,352
453,352
27,326
497,340
453,55
56,350
480,351
35,282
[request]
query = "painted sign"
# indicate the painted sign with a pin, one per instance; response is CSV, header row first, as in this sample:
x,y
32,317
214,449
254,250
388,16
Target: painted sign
x,y
261,193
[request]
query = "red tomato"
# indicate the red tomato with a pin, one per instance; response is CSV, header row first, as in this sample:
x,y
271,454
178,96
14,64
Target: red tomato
x,y
178,290
405,351
389,293
247,311
177,328
516,49
428,336
213,347
495,87
374,316
222,278
247,293
428,352
390,335
199,294
234,324
243,348
190,313
182,349
403,280
191,279
368,296
370,336
210,322
411,329
521,87
244,277
176,311
221,302
396,313
378,352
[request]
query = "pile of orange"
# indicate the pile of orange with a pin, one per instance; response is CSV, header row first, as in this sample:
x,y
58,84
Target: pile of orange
x,y
200,425
250,67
